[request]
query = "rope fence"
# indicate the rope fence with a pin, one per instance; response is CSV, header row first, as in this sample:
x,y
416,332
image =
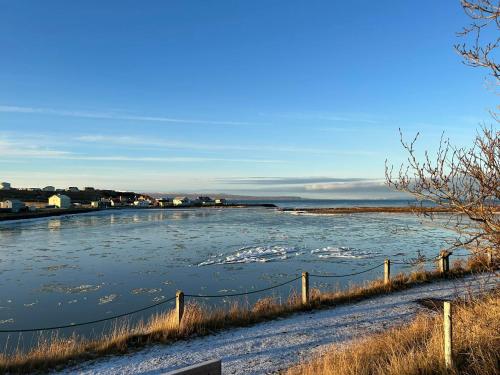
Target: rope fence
x,y
443,260
243,293
348,274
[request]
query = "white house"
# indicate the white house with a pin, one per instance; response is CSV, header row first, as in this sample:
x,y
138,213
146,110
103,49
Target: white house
x,y
14,205
142,203
220,201
5,186
116,202
49,188
60,201
181,201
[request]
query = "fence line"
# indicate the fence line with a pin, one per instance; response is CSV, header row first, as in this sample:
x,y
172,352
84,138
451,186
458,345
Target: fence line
x,y
180,295
242,293
89,322
349,274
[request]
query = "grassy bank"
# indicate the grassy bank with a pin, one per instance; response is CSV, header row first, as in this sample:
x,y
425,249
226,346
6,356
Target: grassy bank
x,y
417,348
53,351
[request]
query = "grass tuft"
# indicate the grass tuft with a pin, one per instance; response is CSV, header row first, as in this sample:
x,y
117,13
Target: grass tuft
x,y
417,348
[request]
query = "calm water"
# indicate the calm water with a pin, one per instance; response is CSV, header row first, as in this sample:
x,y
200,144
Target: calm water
x,y
84,267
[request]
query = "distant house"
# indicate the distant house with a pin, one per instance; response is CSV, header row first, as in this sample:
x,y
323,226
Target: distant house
x,y
205,200
116,202
124,200
103,203
5,186
73,188
14,205
142,203
60,201
181,201
49,188
220,201
164,202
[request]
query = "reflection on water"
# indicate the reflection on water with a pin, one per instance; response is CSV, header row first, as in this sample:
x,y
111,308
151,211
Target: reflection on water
x,y
83,267
54,224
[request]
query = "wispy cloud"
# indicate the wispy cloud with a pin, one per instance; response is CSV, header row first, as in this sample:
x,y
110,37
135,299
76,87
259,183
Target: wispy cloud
x,y
20,149
139,142
330,117
315,186
9,150
347,186
173,159
289,180
340,188
116,116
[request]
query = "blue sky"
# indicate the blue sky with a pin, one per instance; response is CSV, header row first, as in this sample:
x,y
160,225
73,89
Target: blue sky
x,y
300,98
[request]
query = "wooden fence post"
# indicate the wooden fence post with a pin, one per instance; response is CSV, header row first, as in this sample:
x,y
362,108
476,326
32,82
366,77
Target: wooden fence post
x,y
387,272
489,258
444,262
448,331
305,288
179,307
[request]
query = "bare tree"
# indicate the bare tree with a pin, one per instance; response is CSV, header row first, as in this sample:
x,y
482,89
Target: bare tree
x,y
463,181
484,16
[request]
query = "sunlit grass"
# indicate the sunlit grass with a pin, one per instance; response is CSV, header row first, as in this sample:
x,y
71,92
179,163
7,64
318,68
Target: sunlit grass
x,y
417,348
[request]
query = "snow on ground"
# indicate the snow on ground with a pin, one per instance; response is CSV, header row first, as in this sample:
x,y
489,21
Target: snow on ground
x,y
268,347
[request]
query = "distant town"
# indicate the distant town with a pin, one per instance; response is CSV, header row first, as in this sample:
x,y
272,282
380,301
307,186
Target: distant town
x,y
49,198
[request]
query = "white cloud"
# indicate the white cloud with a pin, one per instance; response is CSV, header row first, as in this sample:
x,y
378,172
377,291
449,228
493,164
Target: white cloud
x,y
328,116
22,149
337,186
173,159
19,149
115,116
138,142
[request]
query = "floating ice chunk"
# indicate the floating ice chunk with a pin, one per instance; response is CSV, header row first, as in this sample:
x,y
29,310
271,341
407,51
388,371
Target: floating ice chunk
x,y
145,290
253,254
342,252
107,299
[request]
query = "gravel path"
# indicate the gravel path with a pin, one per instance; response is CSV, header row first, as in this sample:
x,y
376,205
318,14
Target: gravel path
x,y
271,346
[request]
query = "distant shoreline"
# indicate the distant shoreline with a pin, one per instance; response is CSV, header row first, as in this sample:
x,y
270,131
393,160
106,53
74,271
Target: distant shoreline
x,y
76,211
317,211
355,210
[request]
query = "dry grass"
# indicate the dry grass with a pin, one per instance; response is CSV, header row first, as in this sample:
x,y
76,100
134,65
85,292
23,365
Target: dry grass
x,y
53,352
417,348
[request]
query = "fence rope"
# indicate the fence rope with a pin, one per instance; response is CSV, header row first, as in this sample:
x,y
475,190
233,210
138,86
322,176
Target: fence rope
x,y
243,293
89,322
349,274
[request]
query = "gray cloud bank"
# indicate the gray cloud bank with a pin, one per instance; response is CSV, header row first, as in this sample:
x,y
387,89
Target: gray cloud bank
x,y
326,187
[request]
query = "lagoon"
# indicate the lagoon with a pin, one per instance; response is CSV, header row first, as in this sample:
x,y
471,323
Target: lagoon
x,y
83,267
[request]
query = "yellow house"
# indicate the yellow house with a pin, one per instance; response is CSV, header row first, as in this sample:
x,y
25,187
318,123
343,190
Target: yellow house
x,y
60,201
